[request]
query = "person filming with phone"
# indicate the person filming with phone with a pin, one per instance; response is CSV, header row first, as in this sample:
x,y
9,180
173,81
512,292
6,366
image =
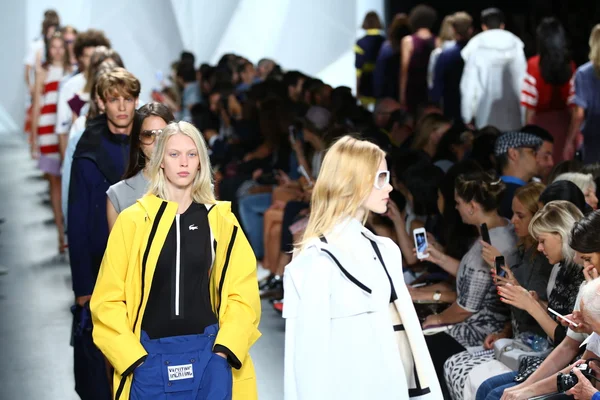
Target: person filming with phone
x,y
477,311
531,271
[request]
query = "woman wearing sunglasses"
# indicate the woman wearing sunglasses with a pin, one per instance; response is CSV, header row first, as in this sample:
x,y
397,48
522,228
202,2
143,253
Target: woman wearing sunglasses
x,y
153,117
351,329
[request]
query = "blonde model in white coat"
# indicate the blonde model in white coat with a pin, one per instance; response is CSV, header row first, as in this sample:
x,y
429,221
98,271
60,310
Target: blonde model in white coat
x,y
351,328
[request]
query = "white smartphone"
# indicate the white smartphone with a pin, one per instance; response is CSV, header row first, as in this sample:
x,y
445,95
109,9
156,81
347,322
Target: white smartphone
x,y
302,170
420,236
566,319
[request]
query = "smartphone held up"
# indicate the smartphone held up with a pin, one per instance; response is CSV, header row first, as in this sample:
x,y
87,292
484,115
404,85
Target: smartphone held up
x,y
421,245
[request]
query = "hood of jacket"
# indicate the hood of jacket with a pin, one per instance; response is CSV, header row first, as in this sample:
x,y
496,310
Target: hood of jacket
x,y
498,46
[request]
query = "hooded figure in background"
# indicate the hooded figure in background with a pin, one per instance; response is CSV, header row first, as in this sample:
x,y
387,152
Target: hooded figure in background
x,y
495,66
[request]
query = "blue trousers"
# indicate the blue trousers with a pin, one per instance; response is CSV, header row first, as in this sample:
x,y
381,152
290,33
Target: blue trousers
x,y
252,209
182,367
493,388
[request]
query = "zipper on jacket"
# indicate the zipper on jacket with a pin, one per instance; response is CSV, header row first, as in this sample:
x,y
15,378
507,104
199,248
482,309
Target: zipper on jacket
x,y
177,263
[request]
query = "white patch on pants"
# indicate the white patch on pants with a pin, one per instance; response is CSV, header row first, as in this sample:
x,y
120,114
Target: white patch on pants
x,y
178,372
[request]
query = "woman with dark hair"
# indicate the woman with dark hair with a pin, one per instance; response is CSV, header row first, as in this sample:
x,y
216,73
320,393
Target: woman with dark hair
x,y
386,81
565,190
585,240
548,84
152,118
416,50
366,50
477,310
454,146
422,182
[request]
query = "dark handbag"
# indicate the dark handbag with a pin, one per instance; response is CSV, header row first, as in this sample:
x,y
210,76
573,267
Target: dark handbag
x,y
527,366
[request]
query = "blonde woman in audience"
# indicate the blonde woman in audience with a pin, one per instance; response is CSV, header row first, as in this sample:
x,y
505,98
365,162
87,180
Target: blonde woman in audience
x,y
531,272
552,228
351,329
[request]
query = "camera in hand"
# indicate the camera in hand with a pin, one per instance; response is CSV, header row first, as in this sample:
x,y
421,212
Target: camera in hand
x,y
565,382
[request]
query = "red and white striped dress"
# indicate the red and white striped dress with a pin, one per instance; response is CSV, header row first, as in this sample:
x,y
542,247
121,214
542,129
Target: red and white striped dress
x,y
49,159
550,102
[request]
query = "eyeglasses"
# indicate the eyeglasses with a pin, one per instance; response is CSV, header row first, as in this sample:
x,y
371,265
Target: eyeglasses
x,y
382,179
148,136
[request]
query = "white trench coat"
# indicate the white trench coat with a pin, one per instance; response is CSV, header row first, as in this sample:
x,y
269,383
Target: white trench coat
x,y
340,341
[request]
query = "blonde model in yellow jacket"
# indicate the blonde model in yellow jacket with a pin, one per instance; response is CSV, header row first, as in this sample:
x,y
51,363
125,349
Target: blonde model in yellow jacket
x,y
180,176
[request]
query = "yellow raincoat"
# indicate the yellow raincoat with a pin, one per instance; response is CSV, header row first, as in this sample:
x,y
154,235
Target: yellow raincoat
x,y
123,285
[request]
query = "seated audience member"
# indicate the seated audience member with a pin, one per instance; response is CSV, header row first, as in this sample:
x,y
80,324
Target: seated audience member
x,y
549,231
477,312
543,380
565,190
544,155
400,129
515,158
563,167
311,136
454,146
422,182
585,182
593,169
483,148
429,133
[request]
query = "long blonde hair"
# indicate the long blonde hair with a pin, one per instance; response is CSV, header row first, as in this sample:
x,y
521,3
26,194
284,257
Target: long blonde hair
x,y
202,188
344,183
595,48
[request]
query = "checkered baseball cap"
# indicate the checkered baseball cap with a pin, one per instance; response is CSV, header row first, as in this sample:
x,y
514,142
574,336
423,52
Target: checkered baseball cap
x,y
516,140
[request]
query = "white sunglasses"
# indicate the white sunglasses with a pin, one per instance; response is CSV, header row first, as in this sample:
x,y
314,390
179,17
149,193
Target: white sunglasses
x,y
382,178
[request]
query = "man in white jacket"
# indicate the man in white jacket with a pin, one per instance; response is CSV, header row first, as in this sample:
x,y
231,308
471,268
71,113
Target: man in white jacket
x,y
495,66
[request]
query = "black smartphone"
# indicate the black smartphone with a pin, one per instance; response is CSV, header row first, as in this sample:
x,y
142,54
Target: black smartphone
x,y
499,264
485,234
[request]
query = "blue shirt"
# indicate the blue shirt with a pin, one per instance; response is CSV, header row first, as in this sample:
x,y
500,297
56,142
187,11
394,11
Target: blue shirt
x,y
596,396
513,179
587,96
512,184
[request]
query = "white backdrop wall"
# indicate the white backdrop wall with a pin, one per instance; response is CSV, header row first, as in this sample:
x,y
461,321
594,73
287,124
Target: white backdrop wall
x,y
313,36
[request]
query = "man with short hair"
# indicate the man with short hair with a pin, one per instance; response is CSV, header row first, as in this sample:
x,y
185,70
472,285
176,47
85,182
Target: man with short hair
x,y
493,74
99,162
449,68
383,109
84,47
516,161
544,155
